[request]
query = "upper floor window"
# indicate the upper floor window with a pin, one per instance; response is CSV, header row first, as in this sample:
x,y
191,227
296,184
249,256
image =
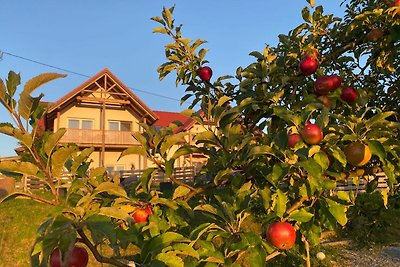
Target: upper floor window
x,y
120,126
80,124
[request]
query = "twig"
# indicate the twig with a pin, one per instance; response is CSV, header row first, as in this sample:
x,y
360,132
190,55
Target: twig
x,y
307,246
85,240
273,255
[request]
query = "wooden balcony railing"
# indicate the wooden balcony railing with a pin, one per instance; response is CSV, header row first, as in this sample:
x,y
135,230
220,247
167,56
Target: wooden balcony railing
x,y
95,137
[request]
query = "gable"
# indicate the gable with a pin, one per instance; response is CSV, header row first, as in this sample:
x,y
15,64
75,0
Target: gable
x,y
106,89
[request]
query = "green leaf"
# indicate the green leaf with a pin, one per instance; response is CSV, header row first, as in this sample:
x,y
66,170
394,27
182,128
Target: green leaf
x,y
266,197
343,195
280,203
305,13
338,154
160,30
172,140
2,91
184,249
22,136
167,15
19,167
170,259
257,256
377,148
110,188
301,215
378,118
260,150
312,167
338,211
101,227
39,80
136,150
169,167
59,158
115,212
223,100
53,140
159,242
13,81
184,150
83,156
180,191
146,179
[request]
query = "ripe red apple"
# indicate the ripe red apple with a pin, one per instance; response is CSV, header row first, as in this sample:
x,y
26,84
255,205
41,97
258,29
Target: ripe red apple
x,y
282,235
336,81
140,215
149,210
205,73
374,35
79,258
293,139
325,84
396,3
312,134
349,95
308,65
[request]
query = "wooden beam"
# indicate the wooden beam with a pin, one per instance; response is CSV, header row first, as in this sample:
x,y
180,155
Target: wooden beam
x,y
103,128
102,100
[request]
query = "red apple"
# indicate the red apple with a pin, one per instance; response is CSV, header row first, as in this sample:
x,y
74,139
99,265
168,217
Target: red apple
x,y
282,235
140,215
336,81
149,210
205,73
293,139
78,258
325,84
308,65
349,95
312,134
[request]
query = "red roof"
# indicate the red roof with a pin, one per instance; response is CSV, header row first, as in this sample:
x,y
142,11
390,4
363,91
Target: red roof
x,y
167,117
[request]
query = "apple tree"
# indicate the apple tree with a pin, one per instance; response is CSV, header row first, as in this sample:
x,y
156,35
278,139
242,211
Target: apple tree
x,y
317,110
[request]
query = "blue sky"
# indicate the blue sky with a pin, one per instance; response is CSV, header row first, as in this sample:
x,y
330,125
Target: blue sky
x,y
88,36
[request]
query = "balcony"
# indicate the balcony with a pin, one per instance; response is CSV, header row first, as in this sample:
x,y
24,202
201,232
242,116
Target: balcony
x,y
95,138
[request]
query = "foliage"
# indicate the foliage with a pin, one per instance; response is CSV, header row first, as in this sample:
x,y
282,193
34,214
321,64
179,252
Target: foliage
x,y
371,223
251,177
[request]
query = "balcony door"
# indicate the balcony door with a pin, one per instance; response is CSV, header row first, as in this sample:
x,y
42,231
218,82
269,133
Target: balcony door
x,y
83,124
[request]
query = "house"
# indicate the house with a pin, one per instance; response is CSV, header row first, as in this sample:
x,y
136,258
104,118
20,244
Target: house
x,y
102,113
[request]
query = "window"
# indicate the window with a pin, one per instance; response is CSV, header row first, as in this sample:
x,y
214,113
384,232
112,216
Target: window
x,y
113,125
73,124
80,124
126,126
120,126
87,124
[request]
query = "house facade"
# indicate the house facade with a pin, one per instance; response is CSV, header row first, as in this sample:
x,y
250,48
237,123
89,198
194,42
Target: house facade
x,y
103,113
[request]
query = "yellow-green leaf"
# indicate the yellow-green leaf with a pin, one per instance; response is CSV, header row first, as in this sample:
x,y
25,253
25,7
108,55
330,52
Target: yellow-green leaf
x,y
180,191
52,142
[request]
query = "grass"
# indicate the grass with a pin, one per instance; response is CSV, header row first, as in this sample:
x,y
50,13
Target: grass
x,y
19,220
